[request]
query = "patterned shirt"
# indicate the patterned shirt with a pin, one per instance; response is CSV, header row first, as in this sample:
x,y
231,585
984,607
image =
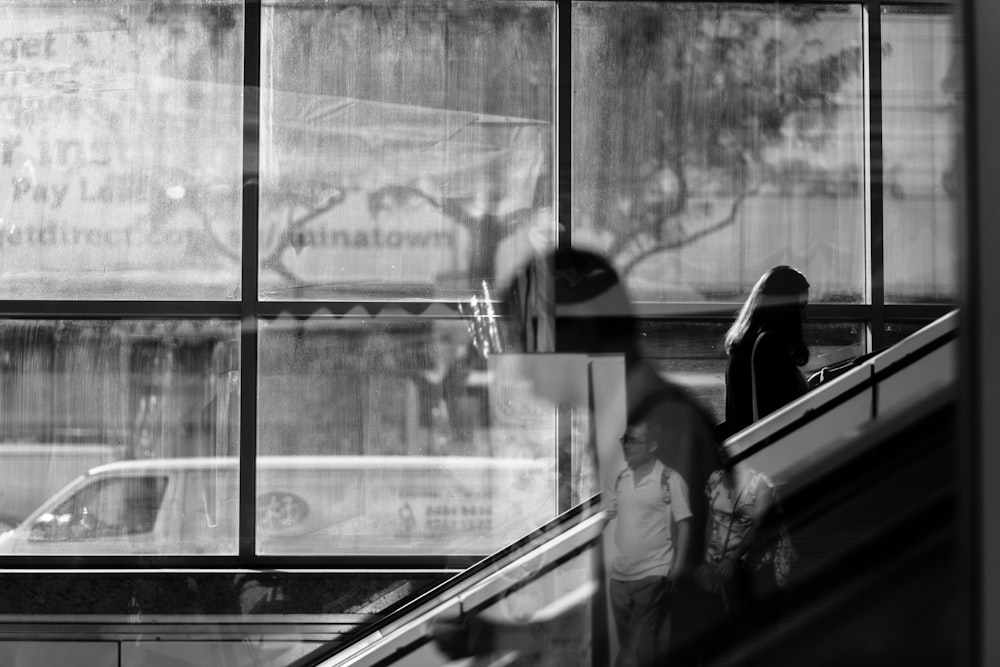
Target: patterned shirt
x,y
732,513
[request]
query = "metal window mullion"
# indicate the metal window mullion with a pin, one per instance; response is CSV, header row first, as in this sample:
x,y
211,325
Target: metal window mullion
x,y
434,310
875,210
13,309
562,68
249,282
726,311
563,162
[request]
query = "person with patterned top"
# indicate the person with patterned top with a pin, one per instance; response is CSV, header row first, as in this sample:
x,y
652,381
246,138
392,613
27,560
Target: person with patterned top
x,y
735,510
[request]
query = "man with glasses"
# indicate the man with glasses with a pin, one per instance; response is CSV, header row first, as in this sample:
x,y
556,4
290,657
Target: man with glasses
x,y
651,520
572,301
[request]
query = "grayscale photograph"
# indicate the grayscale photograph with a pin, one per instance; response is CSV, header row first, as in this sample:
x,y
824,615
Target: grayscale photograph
x,y
484,333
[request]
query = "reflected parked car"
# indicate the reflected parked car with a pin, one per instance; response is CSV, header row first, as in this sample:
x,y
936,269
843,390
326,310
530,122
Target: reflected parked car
x,y
353,505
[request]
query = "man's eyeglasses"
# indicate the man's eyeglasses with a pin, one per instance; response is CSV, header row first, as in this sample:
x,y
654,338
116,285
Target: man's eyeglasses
x,y
631,440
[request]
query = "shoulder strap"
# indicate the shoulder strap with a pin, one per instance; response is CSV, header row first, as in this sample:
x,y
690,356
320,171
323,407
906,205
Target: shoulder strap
x,y
665,482
732,519
618,480
753,376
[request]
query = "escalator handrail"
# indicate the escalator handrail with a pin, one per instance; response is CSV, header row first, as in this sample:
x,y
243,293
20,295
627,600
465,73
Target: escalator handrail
x,y
415,631
418,612
463,584
925,523
859,450
825,398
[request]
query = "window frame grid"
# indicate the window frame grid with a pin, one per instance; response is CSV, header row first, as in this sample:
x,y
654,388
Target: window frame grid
x,y
250,310
252,52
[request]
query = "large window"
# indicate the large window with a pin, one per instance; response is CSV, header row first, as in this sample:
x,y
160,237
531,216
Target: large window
x,y
731,140
921,72
120,137
239,242
405,148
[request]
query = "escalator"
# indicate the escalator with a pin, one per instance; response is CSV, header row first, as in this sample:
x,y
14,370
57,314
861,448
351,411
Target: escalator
x,y
866,476
875,527
545,573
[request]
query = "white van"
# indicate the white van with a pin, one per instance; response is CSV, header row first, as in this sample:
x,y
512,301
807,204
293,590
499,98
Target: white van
x,y
306,505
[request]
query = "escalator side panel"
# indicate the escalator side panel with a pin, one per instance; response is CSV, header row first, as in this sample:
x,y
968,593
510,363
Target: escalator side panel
x,y
554,580
844,515
885,485
550,617
935,370
812,440
876,581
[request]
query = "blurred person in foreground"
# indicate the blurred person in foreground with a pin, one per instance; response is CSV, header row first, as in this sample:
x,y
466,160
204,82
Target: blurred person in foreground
x,y
573,301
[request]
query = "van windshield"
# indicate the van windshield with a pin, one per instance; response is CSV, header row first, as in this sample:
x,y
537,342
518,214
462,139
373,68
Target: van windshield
x,y
107,507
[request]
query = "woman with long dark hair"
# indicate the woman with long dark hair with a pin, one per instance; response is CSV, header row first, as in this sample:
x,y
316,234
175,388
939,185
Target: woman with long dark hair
x,y
766,347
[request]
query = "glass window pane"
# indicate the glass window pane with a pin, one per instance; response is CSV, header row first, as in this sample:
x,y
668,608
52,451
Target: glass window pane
x,y
713,141
104,510
406,148
833,342
693,354
921,97
149,408
897,331
120,150
393,436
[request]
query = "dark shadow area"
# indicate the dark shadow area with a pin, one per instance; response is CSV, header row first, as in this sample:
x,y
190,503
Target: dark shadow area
x,y
208,593
877,579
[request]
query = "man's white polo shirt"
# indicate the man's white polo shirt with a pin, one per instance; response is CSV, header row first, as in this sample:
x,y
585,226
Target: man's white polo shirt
x,y
645,514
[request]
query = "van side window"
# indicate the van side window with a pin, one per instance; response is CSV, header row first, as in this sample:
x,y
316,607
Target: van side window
x,y
107,507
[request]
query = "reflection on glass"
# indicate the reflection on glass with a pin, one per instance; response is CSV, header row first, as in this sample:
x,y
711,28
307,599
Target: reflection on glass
x,y
549,616
150,408
104,510
712,141
897,331
406,149
393,436
693,354
921,94
120,145
831,343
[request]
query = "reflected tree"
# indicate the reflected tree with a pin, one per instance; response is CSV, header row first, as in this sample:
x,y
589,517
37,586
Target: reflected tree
x,y
300,215
460,78
708,93
488,228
